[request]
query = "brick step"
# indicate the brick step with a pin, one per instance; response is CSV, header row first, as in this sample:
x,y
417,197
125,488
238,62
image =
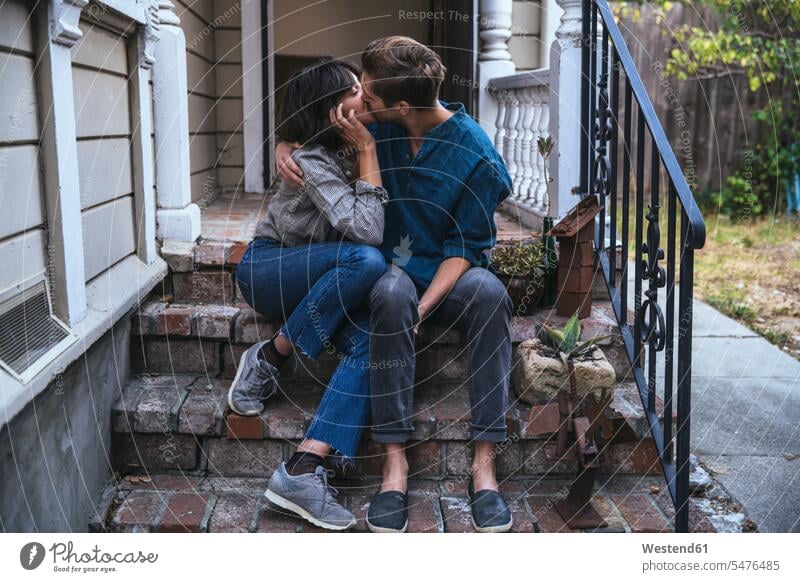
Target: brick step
x,y
186,257
202,272
183,423
241,324
183,503
187,338
209,338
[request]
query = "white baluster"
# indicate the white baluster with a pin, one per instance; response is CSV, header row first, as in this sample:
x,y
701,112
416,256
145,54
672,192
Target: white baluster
x,y
519,157
528,99
511,136
542,130
500,128
530,194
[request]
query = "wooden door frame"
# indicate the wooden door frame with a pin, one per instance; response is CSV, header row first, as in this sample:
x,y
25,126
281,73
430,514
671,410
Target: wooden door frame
x,y
257,100
455,39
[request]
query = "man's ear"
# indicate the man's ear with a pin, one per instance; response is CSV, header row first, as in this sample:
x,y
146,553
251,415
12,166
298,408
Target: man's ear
x,y
404,107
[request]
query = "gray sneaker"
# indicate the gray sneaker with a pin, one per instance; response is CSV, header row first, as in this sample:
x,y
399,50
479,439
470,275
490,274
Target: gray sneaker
x,y
310,497
255,381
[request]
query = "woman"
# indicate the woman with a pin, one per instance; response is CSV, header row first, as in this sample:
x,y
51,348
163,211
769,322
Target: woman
x,y
313,262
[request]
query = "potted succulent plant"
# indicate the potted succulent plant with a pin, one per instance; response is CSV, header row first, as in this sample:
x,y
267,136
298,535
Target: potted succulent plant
x,y
520,267
542,366
569,384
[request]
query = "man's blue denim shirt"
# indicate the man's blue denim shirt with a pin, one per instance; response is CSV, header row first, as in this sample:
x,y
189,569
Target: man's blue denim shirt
x,y
441,202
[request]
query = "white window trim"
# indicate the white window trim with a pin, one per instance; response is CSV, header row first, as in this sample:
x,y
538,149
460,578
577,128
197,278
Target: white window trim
x,y
59,157
135,10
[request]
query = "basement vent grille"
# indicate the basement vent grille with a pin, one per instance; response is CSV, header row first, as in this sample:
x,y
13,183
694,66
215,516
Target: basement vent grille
x,y
28,330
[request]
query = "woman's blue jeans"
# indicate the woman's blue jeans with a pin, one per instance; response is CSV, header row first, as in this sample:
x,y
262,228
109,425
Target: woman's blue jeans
x,y
320,289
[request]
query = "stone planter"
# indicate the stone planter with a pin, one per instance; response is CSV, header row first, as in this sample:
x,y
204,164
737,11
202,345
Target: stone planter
x,y
526,292
537,377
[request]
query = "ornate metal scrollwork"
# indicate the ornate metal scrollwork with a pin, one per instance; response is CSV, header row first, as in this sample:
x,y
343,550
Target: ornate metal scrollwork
x,y
650,315
601,133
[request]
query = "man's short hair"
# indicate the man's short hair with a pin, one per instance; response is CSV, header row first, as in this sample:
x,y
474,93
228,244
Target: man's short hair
x,y
403,69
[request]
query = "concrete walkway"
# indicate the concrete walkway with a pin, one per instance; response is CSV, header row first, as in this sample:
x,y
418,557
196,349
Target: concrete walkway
x,y
746,418
745,415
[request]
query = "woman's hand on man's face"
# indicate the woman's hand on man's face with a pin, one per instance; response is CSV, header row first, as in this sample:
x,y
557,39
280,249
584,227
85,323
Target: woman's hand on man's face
x,y
351,129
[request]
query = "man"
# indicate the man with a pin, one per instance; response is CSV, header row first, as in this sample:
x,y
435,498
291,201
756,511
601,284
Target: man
x,y
444,181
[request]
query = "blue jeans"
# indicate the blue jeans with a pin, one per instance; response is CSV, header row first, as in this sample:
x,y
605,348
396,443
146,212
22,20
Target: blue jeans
x,y
320,290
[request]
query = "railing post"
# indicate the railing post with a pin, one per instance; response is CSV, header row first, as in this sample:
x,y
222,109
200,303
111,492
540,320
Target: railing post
x,y
178,218
494,60
565,109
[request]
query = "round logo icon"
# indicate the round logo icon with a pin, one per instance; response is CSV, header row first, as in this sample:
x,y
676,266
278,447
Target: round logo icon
x,y
31,555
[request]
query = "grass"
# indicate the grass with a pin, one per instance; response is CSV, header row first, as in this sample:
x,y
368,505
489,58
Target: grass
x,y
750,271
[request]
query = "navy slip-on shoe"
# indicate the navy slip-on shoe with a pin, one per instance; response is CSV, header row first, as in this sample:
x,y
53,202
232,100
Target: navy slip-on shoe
x,y
490,512
388,512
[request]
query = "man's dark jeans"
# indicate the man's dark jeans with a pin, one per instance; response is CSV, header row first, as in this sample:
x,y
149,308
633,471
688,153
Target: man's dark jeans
x,y
478,304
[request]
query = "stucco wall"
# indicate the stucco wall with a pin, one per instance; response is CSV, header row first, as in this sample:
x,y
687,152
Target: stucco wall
x,y
54,455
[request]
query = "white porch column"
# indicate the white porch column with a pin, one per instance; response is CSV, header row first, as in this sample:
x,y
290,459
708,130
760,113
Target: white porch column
x,y
140,62
494,60
565,109
177,217
551,19
59,31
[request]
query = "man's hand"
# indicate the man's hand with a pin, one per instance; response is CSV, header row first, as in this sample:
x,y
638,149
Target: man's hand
x,y
422,310
287,167
448,273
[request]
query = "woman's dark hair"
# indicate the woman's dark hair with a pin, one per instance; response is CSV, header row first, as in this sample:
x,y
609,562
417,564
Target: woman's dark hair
x,y
309,96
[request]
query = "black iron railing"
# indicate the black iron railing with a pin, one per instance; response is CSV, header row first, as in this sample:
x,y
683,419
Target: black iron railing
x,y
610,75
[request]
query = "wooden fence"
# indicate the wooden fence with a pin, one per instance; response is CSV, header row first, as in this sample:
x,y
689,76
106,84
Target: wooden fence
x,y
708,120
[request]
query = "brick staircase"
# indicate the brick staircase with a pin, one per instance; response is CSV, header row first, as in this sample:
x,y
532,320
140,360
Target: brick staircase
x,y
183,462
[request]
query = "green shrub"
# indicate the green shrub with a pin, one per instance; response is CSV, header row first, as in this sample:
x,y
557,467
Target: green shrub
x,y
758,187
